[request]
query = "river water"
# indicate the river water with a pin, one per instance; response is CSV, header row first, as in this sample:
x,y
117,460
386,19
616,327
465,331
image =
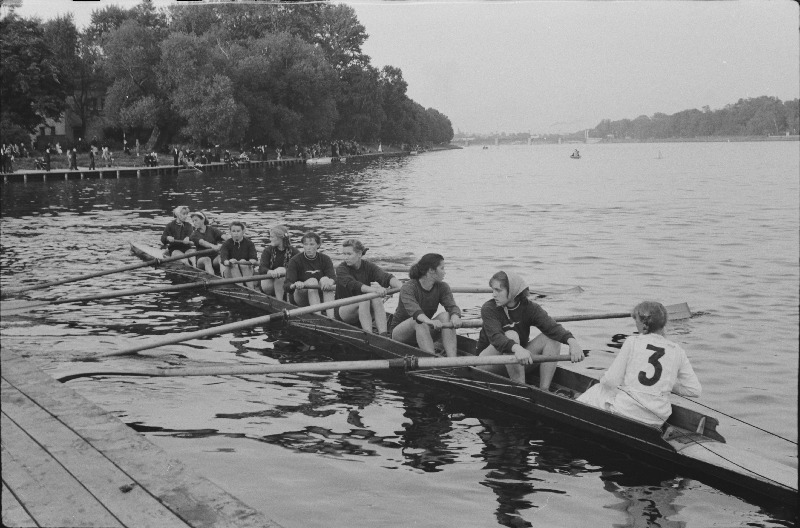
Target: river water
x,y
711,224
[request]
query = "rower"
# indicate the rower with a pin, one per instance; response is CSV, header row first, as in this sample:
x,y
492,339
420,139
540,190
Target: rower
x,y
238,254
206,236
414,322
647,368
314,269
357,275
274,259
507,322
176,234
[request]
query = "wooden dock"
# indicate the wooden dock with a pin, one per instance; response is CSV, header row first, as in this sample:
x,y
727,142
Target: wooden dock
x,y
117,172
67,463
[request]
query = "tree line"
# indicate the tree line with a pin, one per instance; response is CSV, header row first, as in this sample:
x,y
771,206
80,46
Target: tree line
x,y
209,74
758,116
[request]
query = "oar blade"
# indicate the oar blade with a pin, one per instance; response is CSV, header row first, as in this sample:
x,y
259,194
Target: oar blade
x,y
679,311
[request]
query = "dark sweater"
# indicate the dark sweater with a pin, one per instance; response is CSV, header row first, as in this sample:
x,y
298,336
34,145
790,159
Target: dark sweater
x,y
242,250
349,280
301,268
179,231
527,314
415,300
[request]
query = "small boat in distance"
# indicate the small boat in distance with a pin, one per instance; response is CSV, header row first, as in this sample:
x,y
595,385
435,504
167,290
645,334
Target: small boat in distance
x,y
319,161
575,155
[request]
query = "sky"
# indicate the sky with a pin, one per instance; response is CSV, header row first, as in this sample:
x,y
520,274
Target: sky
x,y
562,66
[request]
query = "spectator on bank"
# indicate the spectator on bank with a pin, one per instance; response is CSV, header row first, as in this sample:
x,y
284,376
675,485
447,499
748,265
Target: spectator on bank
x,y
73,158
47,158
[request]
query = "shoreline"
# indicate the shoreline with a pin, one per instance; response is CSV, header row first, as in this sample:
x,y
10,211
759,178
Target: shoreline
x,y
59,163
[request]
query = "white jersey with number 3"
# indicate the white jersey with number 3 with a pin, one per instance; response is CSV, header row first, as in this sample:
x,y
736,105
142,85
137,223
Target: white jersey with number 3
x,y
646,370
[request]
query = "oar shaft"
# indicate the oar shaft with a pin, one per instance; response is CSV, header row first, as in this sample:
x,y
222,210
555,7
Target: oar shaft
x,y
675,311
409,363
242,325
155,262
161,289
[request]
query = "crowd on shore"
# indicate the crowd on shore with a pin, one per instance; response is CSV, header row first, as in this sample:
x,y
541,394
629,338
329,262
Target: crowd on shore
x,y
96,154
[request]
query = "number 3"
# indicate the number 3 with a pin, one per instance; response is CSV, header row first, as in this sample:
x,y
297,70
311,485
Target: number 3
x,y
658,354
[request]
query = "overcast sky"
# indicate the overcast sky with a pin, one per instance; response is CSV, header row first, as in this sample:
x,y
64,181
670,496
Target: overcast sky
x,y
560,66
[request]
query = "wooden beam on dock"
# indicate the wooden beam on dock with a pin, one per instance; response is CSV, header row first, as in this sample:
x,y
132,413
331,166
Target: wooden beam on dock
x,y
66,462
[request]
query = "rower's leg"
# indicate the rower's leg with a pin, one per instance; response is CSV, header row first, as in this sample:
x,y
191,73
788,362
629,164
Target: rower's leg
x,y
364,316
301,297
350,314
313,294
247,271
379,314
424,337
449,340
205,263
543,345
279,288
405,332
494,369
268,287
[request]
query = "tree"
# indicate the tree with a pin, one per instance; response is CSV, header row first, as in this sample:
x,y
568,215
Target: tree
x,y
134,100
32,86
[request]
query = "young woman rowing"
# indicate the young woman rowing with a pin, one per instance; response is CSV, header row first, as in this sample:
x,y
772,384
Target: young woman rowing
x,y
274,259
355,276
414,322
238,254
177,233
206,236
507,322
648,367
311,268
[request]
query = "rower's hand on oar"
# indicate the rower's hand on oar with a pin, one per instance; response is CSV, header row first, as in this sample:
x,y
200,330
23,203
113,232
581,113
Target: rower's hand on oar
x,y
456,321
170,238
377,288
327,284
298,285
575,351
434,323
523,355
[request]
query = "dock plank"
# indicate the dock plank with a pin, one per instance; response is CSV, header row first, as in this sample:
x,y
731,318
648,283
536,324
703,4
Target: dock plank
x,y
33,475
114,489
13,512
192,498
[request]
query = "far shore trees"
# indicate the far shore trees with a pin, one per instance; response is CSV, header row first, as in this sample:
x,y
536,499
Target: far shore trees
x,y
233,74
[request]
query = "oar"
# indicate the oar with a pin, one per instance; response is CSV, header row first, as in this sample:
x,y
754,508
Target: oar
x,y
406,363
470,289
675,312
475,289
155,262
20,306
241,325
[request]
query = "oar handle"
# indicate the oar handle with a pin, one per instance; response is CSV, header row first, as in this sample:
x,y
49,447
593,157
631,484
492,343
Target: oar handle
x,y
241,325
154,262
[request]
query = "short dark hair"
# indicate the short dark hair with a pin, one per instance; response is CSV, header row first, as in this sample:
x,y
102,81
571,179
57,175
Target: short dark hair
x,y
238,223
311,234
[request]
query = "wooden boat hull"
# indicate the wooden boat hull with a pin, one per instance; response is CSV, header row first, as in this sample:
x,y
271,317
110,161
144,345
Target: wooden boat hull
x,y
689,440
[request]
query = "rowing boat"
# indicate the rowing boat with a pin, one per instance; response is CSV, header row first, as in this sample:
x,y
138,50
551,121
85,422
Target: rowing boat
x,y
688,442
